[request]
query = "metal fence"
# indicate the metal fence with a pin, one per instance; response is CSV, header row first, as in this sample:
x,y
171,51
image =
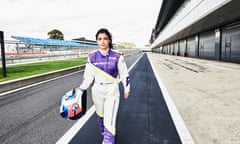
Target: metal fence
x,y
18,52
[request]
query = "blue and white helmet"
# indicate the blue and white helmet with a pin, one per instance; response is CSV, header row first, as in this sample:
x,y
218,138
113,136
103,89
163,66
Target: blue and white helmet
x,y
73,104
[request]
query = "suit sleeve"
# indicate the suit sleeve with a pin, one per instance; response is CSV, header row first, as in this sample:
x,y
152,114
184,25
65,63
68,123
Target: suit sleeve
x,y
88,77
123,74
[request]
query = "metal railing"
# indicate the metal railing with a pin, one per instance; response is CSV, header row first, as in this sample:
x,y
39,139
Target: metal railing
x,y
17,52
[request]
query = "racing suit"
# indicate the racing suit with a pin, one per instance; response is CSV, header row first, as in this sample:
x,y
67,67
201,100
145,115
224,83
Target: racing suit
x,y
104,71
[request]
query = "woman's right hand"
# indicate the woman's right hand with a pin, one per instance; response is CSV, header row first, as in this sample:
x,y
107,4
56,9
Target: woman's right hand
x,y
126,95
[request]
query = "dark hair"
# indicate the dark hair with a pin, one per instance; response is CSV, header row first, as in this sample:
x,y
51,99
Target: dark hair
x,y
104,30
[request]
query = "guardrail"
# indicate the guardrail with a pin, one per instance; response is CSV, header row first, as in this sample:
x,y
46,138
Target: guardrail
x,y
18,59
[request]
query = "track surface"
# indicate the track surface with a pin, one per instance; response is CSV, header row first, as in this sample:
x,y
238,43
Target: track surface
x,y
32,115
142,119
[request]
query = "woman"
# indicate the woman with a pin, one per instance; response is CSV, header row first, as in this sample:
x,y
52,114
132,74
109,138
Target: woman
x,y
104,70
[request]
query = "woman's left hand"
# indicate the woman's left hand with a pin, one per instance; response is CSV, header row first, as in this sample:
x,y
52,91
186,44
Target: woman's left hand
x,y
126,95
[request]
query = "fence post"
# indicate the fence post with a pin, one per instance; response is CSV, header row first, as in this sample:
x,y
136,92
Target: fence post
x,y
4,72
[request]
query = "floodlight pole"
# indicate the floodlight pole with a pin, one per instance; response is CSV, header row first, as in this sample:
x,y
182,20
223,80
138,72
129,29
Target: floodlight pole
x,y
4,72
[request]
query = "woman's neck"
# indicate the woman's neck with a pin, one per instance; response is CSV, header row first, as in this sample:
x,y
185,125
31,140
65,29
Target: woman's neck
x,y
104,51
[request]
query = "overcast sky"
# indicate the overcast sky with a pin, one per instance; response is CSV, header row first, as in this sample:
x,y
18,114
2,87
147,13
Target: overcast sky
x,y
127,20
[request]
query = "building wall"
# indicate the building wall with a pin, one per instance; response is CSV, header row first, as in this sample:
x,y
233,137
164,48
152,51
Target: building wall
x,y
231,43
221,42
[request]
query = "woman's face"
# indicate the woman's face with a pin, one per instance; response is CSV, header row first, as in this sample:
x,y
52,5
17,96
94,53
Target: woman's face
x,y
103,41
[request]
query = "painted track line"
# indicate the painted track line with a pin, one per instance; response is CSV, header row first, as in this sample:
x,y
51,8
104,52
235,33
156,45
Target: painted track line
x,y
182,130
67,137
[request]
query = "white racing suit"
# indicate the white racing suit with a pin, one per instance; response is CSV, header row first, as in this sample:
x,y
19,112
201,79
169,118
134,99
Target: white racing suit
x,y
104,72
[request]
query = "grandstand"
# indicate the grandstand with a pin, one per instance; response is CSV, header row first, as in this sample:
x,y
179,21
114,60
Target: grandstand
x,y
29,49
50,45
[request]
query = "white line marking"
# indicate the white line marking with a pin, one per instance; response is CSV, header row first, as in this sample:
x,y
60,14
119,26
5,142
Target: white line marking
x,y
135,63
67,137
182,130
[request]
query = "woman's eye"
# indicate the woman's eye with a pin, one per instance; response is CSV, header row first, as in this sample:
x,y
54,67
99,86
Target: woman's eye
x,y
102,39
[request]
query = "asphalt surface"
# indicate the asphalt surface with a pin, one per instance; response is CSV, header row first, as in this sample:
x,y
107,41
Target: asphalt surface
x,y
206,93
32,115
142,119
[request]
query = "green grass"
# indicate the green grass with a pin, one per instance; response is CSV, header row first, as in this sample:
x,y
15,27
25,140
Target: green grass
x,y
24,70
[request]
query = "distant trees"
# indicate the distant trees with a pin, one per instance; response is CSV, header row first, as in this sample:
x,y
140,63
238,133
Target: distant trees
x,y
147,45
56,34
126,45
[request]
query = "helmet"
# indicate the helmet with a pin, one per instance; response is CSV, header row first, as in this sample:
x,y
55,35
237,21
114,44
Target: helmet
x,y
73,104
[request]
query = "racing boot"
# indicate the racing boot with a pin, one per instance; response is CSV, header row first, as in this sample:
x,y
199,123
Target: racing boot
x,y
100,123
108,138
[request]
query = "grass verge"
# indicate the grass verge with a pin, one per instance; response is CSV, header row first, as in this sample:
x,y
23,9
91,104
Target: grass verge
x,y
24,70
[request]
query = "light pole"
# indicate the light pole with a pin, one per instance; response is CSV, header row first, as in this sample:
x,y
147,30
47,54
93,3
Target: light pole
x,y
4,72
